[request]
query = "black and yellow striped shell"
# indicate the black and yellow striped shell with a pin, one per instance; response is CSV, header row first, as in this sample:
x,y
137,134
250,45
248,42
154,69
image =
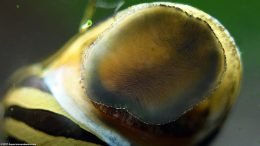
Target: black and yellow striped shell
x,y
154,74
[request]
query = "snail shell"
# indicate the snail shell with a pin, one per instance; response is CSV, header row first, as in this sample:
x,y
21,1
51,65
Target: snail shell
x,y
154,74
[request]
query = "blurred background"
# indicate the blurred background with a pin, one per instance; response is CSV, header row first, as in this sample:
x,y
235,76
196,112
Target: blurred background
x,y
31,30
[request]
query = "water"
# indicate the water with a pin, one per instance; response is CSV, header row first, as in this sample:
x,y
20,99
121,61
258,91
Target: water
x,y
104,8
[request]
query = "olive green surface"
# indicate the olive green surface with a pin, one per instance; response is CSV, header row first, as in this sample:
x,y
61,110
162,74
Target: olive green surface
x,y
31,30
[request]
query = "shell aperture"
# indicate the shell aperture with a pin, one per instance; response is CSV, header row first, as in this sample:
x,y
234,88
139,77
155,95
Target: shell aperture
x,y
156,63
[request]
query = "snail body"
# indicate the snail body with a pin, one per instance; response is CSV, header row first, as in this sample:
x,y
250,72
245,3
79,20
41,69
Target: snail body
x,y
154,74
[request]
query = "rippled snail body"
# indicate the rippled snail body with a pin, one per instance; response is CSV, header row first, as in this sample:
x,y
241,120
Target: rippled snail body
x,y
154,74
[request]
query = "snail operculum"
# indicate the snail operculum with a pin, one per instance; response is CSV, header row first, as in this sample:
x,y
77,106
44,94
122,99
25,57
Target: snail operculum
x,y
155,61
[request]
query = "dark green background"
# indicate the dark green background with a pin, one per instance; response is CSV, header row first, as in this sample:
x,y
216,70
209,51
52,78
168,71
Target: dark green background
x,y
31,30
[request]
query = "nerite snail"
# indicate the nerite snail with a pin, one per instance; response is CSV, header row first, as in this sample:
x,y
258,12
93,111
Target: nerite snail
x,y
154,74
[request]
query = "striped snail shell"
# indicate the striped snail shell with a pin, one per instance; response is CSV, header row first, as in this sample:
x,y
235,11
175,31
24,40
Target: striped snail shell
x,y
154,74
